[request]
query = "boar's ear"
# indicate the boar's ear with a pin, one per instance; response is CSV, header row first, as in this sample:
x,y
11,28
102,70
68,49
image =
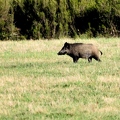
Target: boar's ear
x,y
67,45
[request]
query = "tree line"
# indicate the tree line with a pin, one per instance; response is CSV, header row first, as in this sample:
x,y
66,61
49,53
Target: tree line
x,y
46,19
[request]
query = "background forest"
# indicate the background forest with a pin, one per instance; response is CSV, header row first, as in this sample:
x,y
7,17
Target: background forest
x,y
46,19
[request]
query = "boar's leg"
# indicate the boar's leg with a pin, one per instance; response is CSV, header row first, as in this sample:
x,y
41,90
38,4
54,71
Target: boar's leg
x,y
90,59
97,58
75,59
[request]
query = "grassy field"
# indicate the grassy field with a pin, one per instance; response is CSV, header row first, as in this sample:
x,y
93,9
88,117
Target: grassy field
x,y
37,84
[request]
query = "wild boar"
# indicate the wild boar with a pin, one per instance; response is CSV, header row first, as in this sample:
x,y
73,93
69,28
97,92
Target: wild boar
x,y
80,50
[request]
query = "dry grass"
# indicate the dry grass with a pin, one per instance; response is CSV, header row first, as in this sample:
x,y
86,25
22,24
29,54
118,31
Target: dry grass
x,y
38,84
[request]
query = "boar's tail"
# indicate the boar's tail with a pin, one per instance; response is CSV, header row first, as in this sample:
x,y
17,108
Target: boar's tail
x,y
101,52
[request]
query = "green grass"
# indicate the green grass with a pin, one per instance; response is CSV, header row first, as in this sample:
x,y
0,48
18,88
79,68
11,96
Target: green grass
x,y
36,83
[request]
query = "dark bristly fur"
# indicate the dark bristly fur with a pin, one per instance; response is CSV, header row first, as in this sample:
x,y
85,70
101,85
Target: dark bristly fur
x,y
80,50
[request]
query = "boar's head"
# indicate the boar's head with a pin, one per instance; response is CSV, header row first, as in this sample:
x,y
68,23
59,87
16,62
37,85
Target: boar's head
x,y
65,49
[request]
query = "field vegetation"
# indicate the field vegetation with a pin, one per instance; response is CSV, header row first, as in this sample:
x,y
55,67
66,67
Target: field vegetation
x,y
37,84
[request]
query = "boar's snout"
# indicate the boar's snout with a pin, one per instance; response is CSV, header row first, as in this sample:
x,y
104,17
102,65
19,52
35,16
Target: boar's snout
x,y
61,53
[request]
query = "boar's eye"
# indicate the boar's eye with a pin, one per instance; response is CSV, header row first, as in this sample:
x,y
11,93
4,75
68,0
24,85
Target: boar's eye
x,y
68,46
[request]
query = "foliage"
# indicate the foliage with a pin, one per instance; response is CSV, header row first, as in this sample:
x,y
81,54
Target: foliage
x,y
47,19
4,21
